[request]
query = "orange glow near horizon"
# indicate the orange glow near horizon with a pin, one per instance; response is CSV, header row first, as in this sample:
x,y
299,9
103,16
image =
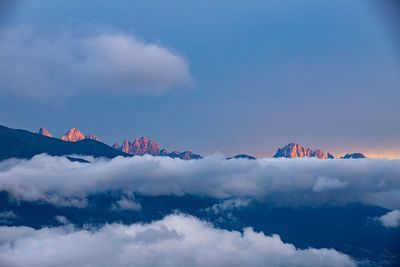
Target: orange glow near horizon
x,y
388,154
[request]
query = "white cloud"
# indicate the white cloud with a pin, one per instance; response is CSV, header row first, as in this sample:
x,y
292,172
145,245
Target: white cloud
x,y
126,202
40,65
280,181
326,183
390,219
177,240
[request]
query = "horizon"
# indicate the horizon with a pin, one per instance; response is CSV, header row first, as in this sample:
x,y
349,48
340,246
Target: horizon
x,y
388,155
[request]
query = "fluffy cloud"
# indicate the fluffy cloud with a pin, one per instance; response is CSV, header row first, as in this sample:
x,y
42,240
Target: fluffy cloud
x,y
390,219
285,182
177,240
42,65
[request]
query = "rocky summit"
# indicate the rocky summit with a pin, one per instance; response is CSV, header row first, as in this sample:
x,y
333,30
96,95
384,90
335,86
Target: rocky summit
x,y
139,146
293,150
45,132
73,135
143,145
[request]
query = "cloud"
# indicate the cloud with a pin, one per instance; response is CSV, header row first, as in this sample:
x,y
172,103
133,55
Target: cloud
x,y
126,203
327,183
38,65
228,205
390,219
61,219
279,181
176,240
6,217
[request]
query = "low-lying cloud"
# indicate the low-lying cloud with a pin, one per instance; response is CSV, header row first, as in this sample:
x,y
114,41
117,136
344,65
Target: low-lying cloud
x,y
61,182
176,240
40,65
390,219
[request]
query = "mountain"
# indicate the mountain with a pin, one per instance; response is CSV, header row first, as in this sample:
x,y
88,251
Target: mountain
x,y
330,156
143,145
25,144
45,132
186,155
242,156
139,146
354,156
293,150
73,135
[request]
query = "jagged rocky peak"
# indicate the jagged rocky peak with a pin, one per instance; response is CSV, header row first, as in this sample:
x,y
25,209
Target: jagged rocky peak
x,y
73,135
330,156
45,132
139,146
116,146
354,156
186,155
143,145
294,150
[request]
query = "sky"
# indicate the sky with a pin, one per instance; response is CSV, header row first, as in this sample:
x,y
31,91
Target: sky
x,y
227,76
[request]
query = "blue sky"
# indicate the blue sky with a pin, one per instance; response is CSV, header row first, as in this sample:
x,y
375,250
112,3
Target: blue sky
x,y
259,75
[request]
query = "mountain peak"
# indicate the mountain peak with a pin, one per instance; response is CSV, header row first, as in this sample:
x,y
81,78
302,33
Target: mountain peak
x,y
293,150
45,132
143,145
73,135
354,156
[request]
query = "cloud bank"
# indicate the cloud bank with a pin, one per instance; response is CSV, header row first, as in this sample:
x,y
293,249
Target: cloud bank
x,y
283,182
176,240
40,65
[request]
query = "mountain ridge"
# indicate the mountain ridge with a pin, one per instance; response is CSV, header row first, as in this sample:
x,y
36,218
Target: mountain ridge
x,y
25,144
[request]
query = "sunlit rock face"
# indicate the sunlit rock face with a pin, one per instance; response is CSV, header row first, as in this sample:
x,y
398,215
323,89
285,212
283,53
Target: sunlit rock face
x,y
139,146
73,135
45,132
293,150
145,146
354,156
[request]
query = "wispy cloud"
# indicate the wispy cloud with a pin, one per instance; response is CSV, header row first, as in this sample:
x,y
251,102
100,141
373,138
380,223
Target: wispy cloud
x,y
283,182
38,65
176,240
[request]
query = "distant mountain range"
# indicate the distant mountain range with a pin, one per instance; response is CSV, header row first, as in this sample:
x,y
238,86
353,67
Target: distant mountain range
x,y
294,150
25,144
138,147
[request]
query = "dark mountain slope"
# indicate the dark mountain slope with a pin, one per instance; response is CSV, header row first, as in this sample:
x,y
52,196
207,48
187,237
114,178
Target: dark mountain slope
x,y
25,144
